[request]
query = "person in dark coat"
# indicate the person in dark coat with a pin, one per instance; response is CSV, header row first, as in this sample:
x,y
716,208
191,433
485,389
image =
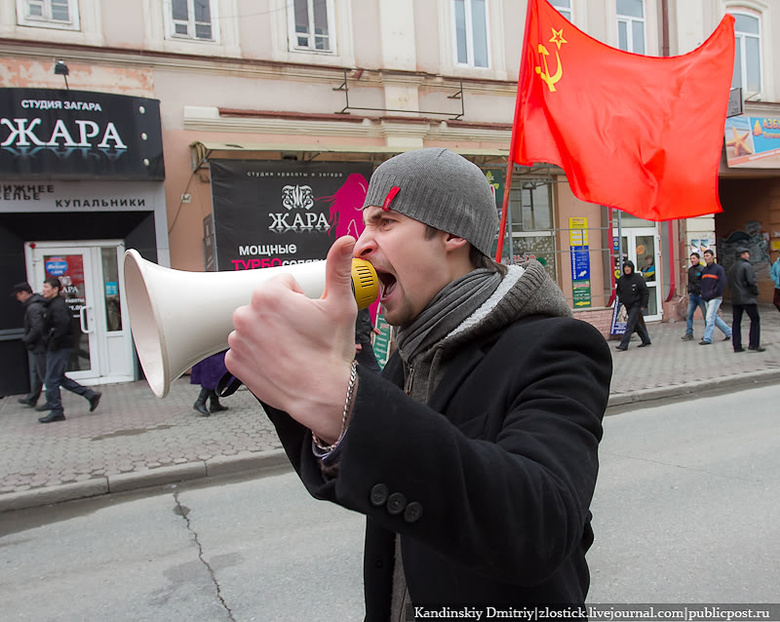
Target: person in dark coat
x,y
634,295
695,300
473,455
744,292
207,374
34,339
59,345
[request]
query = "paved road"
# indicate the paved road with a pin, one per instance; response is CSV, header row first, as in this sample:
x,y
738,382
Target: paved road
x,y
685,512
229,551
686,508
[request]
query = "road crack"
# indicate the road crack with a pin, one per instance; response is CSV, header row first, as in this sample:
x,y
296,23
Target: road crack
x,y
183,511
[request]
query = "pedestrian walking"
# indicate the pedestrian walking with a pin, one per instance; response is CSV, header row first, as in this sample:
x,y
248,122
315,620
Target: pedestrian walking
x,y
744,292
207,373
59,345
713,284
634,295
34,339
774,274
695,301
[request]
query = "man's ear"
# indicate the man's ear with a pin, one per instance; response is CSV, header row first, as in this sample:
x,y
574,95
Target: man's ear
x,y
453,242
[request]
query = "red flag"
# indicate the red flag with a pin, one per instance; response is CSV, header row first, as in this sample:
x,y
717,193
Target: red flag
x,y
642,134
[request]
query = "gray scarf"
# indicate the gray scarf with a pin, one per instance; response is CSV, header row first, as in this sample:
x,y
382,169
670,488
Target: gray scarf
x,y
453,304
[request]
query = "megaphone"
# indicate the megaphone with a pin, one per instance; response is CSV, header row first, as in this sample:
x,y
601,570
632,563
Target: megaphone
x,y
179,318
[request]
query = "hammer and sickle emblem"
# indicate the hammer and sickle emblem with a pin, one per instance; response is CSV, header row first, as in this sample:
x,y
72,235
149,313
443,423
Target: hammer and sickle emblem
x,y
550,80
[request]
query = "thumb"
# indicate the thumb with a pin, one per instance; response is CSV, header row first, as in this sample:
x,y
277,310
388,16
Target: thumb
x,y
338,271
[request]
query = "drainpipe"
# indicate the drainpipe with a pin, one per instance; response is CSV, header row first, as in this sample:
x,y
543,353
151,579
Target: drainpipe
x,y
670,228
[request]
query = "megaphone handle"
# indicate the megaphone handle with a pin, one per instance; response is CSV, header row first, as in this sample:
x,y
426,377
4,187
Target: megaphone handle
x,y
227,385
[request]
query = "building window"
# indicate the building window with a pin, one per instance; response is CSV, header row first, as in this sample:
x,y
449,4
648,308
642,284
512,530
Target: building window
x,y
530,222
48,13
631,25
747,53
471,32
190,19
563,6
310,26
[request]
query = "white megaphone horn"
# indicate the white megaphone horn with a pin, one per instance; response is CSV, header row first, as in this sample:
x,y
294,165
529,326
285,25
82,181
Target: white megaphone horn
x,y
179,318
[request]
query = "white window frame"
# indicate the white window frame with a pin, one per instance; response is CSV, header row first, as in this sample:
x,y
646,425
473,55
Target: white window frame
x,y
740,37
292,36
469,36
23,17
170,23
564,7
629,21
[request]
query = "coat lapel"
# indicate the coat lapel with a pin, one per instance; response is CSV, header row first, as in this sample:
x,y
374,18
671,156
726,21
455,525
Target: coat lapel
x,y
459,368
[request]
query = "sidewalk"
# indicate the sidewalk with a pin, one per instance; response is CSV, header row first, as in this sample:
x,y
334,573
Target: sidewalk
x,y
134,440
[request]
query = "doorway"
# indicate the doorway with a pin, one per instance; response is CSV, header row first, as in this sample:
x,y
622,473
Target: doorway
x,y
641,246
93,287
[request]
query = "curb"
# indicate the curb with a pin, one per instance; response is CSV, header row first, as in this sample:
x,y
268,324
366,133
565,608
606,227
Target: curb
x,y
260,462
123,482
742,381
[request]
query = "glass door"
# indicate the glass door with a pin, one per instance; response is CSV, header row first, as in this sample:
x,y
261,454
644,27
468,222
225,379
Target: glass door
x,y
91,285
640,245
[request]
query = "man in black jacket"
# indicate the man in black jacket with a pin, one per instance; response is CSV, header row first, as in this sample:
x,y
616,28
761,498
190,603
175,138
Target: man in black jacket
x,y
695,300
474,454
60,342
744,290
33,339
634,295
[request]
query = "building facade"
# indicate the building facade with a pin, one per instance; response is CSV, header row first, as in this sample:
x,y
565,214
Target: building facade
x,y
272,114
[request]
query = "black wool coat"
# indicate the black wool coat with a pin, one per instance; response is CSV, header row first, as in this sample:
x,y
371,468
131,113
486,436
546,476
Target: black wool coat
x,y
59,325
744,286
34,338
632,290
489,486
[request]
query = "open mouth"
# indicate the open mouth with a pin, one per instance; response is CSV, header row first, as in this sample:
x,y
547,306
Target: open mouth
x,y
387,283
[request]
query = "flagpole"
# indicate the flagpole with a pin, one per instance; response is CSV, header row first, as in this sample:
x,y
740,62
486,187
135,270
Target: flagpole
x,y
505,202
510,165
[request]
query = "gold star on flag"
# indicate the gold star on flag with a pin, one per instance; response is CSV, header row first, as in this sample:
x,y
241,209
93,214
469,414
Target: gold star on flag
x,y
557,37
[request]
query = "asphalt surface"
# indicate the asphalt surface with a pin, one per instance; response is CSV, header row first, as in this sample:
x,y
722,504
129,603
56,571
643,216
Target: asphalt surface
x,y
134,440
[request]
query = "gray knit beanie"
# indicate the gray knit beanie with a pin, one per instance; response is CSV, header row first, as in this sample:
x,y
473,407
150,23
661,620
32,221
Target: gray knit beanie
x,y
438,188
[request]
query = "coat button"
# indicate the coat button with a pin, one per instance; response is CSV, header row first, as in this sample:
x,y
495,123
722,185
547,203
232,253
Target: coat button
x,y
379,495
396,503
413,512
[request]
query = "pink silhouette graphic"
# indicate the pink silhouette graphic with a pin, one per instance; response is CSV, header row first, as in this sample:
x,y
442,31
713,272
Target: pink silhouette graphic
x,y
346,214
346,207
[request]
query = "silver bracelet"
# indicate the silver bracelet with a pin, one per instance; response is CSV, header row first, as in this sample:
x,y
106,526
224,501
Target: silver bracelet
x,y
347,404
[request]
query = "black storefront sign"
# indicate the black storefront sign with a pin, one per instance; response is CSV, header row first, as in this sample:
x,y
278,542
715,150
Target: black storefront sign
x,y
279,213
57,134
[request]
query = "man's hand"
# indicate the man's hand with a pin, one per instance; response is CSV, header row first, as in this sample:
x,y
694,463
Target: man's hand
x,y
295,353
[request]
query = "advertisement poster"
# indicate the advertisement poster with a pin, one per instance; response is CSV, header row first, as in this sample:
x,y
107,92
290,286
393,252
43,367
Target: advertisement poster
x,y
752,142
580,261
382,345
279,213
619,318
